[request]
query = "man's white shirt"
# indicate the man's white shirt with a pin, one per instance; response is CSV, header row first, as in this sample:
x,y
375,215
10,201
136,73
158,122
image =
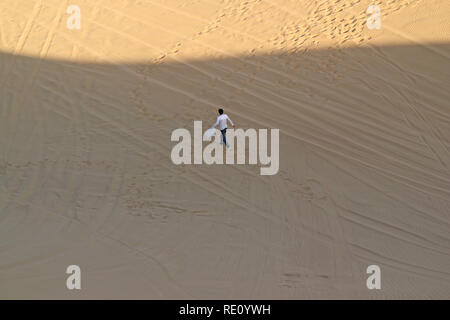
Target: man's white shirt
x,y
222,121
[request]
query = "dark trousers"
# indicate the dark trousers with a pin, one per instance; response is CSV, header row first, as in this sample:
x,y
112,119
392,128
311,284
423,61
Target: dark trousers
x,y
224,133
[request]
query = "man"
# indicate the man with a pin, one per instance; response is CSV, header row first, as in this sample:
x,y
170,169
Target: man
x,y
222,122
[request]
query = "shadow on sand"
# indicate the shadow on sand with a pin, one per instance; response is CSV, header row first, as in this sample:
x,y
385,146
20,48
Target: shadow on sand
x,y
86,176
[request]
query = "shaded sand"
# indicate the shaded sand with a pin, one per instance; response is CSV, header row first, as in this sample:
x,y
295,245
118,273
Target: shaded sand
x,y
85,172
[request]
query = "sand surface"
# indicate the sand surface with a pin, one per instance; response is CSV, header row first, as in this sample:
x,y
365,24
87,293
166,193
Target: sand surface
x,y
86,176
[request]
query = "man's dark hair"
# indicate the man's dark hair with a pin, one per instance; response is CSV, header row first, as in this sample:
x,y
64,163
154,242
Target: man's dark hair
x,y
220,111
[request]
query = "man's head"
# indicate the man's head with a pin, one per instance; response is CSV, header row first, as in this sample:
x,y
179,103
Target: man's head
x,y
220,111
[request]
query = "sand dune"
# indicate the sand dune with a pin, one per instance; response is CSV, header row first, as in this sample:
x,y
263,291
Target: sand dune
x,y
86,176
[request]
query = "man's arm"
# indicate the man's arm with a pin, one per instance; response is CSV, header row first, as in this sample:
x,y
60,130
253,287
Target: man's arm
x,y
215,124
230,121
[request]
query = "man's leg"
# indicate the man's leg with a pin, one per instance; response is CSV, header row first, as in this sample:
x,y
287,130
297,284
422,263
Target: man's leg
x,y
224,138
